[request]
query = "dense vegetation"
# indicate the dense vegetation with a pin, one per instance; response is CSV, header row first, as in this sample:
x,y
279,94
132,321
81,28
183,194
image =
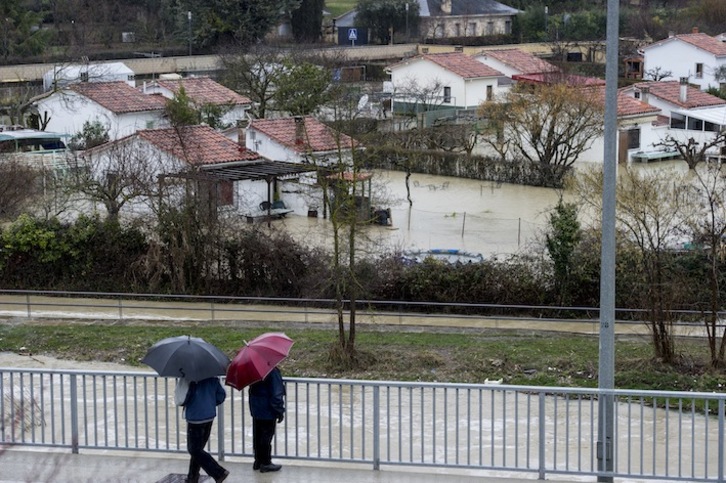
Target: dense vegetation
x,y
40,31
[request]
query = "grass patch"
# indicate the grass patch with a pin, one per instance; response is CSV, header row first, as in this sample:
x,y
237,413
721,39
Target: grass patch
x,y
471,357
339,7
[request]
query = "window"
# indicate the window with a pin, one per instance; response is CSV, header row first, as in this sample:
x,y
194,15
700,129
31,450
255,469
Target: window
x,y
439,31
678,121
457,29
699,71
471,29
225,193
84,76
636,94
490,28
447,94
507,27
633,138
490,93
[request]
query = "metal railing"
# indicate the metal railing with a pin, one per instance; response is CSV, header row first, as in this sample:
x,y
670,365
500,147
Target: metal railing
x,y
493,428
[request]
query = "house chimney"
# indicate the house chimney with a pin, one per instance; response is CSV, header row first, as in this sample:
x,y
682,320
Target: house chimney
x,y
694,30
242,132
446,7
683,96
299,131
644,94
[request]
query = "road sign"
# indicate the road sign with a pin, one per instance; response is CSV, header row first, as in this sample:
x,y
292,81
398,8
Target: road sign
x,y
352,34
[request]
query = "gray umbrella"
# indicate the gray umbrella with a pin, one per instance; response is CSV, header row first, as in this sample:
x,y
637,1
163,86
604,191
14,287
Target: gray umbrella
x,y
189,357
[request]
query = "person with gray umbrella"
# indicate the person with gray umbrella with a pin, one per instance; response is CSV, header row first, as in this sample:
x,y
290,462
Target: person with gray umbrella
x,y
198,363
200,410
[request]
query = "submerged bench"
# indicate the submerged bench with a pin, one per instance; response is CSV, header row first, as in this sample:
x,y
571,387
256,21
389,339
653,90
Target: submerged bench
x,y
269,211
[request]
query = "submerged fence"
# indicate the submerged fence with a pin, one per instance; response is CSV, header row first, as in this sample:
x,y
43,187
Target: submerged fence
x,y
492,428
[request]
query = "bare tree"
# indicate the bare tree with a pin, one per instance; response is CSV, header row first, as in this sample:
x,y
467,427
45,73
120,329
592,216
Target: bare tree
x,y
654,210
549,124
709,227
692,151
657,74
116,173
18,186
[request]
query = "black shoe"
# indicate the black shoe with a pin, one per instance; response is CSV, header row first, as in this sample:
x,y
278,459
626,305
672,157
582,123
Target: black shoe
x,y
222,478
256,465
269,468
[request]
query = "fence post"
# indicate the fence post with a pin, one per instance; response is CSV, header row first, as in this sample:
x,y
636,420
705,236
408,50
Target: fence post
x,y
220,434
212,310
376,427
27,303
120,308
74,414
542,435
720,439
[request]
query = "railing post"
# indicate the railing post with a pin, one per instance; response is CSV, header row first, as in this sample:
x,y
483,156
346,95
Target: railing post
x,y
376,427
74,414
120,308
720,439
211,305
27,303
542,435
220,434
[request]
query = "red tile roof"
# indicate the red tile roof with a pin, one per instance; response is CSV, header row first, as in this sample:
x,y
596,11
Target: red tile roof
x,y
203,90
524,62
627,105
118,97
198,145
462,65
559,78
671,91
700,40
313,135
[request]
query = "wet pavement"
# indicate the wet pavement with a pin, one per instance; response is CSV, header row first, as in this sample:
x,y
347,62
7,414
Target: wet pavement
x,y
20,465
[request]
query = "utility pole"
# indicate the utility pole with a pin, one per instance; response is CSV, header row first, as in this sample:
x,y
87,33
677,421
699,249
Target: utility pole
x,y
189,18
606,373
407,36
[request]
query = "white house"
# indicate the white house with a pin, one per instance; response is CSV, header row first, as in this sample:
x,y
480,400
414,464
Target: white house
x,y
443,80
199,157
696,56
63,75
688,111
204,92
511,62
298,140
640,125
122,109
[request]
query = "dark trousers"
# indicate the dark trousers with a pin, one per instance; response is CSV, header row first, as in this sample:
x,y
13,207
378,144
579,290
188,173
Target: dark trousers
x,y
263,430
197,437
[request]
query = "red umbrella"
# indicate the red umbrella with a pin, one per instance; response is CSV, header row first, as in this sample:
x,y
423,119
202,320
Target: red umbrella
x,y
257,359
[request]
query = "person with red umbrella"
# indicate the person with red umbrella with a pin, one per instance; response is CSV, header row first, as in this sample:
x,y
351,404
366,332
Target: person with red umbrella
x,y
267,406
255,365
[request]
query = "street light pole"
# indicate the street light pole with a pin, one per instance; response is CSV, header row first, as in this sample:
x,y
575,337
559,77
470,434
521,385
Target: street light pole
x,y
407,36
189,18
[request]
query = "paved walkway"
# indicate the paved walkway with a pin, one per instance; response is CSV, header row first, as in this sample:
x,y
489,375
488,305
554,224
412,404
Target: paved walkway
x,y
44,465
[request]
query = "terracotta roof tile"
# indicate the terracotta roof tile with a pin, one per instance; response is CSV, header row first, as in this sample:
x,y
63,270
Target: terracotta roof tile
x,y
462,65
572,80
313,135
700,40
524,62
670,91
203,90
118,97
627,105
198,145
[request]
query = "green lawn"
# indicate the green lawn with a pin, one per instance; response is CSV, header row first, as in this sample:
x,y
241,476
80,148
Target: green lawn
x,y
339,7
526,358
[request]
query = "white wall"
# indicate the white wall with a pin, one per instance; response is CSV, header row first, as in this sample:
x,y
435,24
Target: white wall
x,y
269,148
68,111
681,58
426,74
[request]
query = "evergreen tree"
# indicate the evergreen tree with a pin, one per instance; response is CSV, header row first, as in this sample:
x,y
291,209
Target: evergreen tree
x,y
307,21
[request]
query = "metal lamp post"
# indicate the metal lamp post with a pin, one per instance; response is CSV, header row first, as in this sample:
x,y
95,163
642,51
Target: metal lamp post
x,y
189,18
407,36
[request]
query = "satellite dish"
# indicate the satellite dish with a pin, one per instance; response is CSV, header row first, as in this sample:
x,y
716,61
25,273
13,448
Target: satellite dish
x,y
363,102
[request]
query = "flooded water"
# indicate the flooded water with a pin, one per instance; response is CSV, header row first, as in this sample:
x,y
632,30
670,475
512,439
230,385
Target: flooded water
x,y
448,213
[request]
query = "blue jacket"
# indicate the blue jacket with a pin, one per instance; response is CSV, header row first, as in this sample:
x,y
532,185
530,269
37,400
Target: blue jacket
x,y
267,397
202,401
